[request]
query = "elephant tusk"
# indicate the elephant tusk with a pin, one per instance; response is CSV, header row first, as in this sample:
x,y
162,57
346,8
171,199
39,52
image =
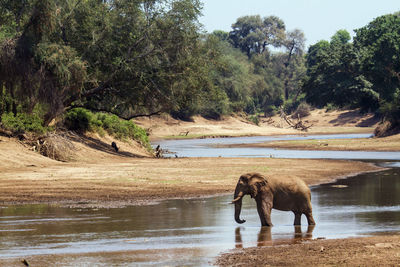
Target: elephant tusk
x,y
236,200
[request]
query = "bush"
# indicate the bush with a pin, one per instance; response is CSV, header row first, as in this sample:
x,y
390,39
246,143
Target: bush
x,y
254,119
80,119
270,111
330,107
22,123
303,110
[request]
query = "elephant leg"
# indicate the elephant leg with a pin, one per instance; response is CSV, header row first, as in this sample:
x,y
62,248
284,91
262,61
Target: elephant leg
x,y
297,218
264,211
310,218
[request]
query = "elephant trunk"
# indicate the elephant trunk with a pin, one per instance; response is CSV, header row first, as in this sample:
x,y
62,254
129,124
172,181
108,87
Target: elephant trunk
x,y
238,206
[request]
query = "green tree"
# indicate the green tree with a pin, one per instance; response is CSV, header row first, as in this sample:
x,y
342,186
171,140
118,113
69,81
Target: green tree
x,y
334,76
252,34
294,63
378,45
130,58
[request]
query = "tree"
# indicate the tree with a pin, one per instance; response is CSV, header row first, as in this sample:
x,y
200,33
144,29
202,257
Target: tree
x,y
252,35
334,76
340,37
130,58
378,45
294,71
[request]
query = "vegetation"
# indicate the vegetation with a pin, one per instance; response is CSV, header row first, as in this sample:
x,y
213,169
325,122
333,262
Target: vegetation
x,y
360,74
144,57
82,120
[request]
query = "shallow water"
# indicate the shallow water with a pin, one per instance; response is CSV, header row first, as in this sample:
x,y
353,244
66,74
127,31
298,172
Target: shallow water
x,y
210,148
193,232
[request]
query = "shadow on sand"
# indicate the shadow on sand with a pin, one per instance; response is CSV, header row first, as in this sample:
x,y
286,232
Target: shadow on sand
x,y
356,117
102,146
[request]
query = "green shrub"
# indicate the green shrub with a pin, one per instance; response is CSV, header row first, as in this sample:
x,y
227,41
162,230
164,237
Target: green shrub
x,y
303,110
122,129
254,119
330,107
23,122
79,119
270,111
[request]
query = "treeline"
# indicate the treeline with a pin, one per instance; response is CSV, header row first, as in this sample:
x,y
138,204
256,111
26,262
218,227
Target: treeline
x,y
136,58
361,74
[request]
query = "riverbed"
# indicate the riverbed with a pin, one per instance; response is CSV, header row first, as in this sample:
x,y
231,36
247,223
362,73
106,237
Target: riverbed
x,y
225,147
194,231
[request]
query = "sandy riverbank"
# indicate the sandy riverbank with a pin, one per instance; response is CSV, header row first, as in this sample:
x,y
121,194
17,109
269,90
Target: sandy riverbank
x,y
346,121
119,181
390,143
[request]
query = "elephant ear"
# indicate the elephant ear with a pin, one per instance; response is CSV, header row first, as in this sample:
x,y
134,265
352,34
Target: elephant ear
x,y
256,185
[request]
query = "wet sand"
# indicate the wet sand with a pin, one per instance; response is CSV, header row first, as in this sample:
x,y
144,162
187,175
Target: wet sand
x,y
367,251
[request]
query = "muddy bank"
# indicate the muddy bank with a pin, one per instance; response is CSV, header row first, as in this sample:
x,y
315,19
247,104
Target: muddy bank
x,y
368,251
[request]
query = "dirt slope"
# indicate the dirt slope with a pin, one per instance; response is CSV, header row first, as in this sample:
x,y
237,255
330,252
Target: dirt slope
x,y
347,121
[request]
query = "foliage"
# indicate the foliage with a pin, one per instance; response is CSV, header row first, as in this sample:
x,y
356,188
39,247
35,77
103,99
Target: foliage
x,y
137,58
252,34
80,119
22,123
121,129
254,119
333,75
363,74
302,110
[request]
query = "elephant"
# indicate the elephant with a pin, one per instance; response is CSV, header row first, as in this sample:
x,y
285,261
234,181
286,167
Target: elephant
x,y
288,195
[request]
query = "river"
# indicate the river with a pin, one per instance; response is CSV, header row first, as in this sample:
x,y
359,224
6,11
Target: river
x,y
224,147
193,232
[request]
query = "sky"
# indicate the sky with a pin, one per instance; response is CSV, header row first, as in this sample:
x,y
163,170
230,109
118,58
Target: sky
x,y
318,19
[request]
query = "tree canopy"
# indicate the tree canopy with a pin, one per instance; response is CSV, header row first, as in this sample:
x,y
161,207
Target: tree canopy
x,y
143,57
364,74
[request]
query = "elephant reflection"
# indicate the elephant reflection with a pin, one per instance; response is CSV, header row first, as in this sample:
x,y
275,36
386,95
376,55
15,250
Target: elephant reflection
x,y
264,237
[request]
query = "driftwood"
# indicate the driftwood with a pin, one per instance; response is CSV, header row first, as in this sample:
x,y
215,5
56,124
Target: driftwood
x,y
185,133
299,125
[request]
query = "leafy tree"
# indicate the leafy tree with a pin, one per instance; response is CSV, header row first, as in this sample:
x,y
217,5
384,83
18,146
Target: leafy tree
x,y
294,64
125,57
378,45
252,35
333,75
341,37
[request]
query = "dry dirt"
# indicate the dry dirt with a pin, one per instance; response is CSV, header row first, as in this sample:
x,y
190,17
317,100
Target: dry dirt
x,y
96,175
347,121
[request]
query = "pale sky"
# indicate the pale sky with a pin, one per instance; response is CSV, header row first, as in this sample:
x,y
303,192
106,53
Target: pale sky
x,y
318,19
